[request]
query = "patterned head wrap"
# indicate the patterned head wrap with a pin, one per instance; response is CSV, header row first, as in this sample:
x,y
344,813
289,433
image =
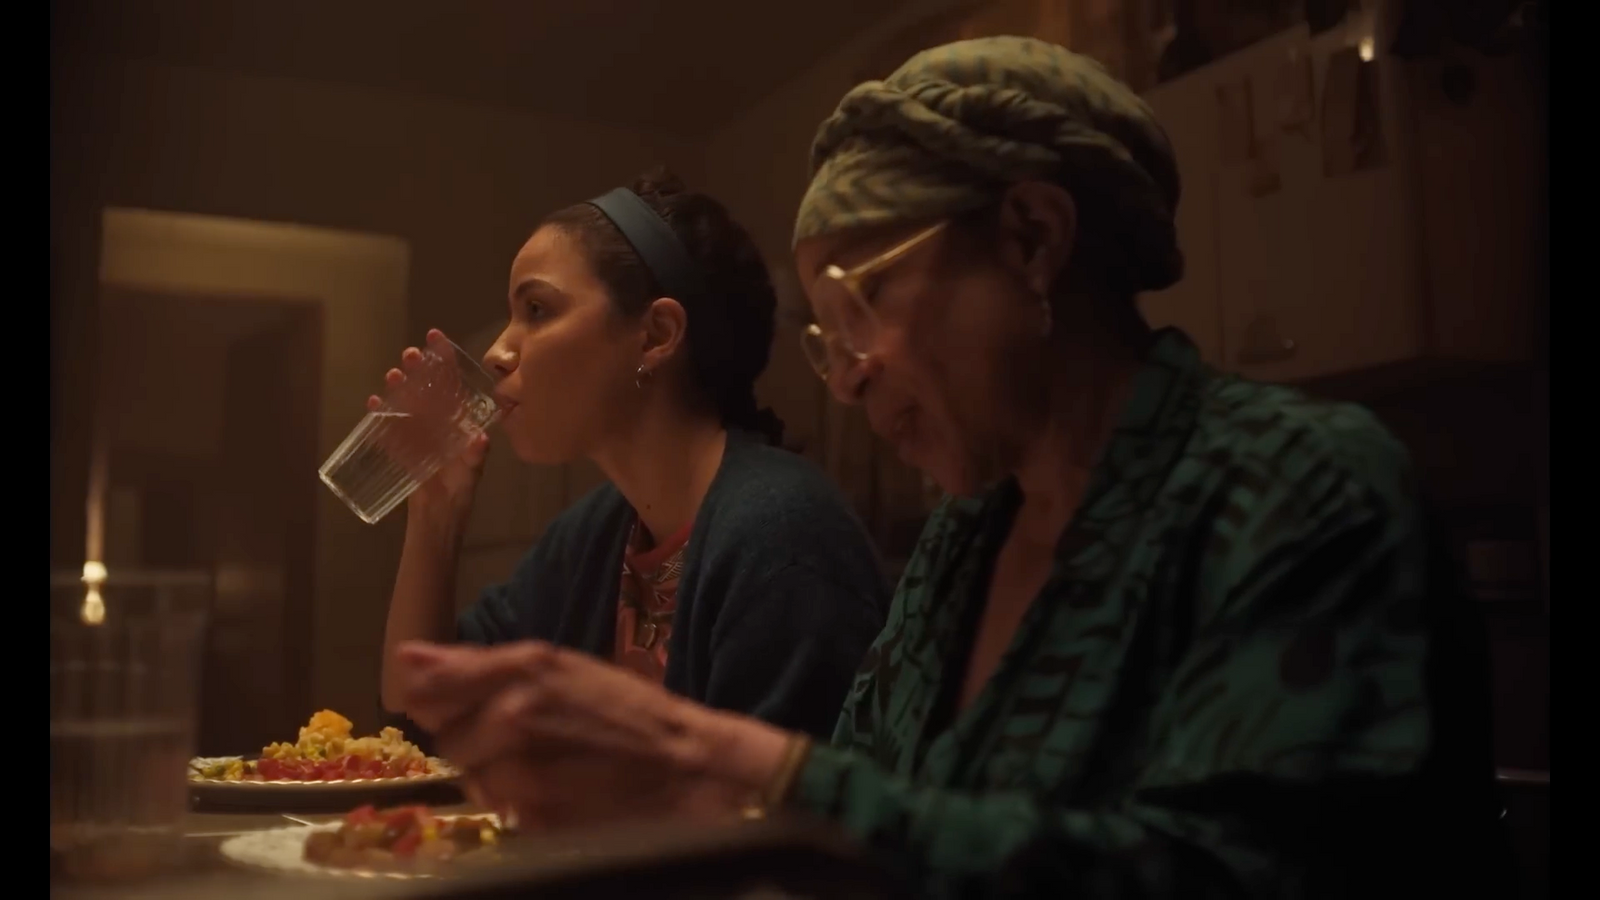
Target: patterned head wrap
x,y
954,125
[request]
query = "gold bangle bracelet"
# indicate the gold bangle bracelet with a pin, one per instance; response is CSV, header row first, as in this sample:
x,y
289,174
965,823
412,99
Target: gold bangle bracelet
x,y
777,791
783,781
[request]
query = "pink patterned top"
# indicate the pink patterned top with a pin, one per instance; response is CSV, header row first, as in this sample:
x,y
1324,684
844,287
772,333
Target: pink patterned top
x,y
647,601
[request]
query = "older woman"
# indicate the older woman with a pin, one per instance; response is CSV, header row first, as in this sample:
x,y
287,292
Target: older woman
x,y
1173,633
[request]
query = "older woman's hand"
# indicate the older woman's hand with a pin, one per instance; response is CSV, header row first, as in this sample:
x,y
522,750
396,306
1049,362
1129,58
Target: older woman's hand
x,y
561,738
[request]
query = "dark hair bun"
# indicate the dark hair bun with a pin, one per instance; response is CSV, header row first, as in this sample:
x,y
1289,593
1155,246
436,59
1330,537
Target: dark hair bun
x,y
658,184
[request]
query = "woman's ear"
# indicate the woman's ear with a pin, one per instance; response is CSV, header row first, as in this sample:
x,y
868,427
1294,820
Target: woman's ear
x,y
665,329
1038,221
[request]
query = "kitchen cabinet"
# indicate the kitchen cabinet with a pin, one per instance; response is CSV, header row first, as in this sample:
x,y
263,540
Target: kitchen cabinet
x,y
1323,274
1483,164
1431,252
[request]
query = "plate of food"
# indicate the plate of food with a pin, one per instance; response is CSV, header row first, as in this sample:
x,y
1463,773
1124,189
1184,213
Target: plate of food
x,y
405,842
325,758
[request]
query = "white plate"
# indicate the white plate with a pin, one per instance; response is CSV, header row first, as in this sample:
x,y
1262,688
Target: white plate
x,y
283,850
443,772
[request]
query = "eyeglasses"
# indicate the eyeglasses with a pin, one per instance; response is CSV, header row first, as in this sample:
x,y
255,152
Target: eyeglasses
x,y
846,329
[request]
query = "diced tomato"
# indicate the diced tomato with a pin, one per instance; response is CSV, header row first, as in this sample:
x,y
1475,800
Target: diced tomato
x,y
362,815
404,816
407,844
339,768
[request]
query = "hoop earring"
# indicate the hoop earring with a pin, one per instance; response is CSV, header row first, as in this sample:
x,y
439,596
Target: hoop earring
x,y
641,377
1049,317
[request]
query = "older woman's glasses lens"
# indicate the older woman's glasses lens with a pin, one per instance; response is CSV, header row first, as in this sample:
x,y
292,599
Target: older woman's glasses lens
x,y
816,348
825,351
837,298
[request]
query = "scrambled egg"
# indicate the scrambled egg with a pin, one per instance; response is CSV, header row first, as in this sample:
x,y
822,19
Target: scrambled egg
x,y
327,736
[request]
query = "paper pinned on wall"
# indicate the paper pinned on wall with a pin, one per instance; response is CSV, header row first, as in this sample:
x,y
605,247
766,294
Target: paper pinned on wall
x,y
1352,138
1236,122
1261,177
1296,91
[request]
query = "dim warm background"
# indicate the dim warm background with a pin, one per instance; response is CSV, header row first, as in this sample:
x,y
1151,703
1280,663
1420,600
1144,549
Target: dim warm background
x,y
255,205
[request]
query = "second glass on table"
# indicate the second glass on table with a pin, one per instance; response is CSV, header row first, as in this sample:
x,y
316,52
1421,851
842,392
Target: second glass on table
x,y
424,422
123,708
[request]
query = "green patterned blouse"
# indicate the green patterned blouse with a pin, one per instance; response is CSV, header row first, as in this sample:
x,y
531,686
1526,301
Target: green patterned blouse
x,y
1220,690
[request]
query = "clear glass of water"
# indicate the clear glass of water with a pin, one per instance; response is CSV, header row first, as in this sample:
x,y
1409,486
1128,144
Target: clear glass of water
x,y
423,423
123,709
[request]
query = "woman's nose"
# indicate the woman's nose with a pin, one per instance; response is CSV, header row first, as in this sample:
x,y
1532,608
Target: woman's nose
x,y
500,360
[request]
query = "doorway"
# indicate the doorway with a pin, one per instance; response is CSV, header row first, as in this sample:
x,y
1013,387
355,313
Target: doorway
x,y
212,406
264,284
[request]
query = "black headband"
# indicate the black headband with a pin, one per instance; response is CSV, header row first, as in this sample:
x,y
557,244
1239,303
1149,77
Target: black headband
x,y
652,238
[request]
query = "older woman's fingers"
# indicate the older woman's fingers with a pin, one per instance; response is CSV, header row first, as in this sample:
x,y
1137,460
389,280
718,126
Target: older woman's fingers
x,y
524,791
439,688
563,789
538,791
494,730
439,684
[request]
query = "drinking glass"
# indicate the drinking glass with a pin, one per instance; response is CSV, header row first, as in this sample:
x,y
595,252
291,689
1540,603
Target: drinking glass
x,y
424,422
123,709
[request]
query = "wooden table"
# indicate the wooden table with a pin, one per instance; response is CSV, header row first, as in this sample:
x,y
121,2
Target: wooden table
x,y
223,825
619,861
206,873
